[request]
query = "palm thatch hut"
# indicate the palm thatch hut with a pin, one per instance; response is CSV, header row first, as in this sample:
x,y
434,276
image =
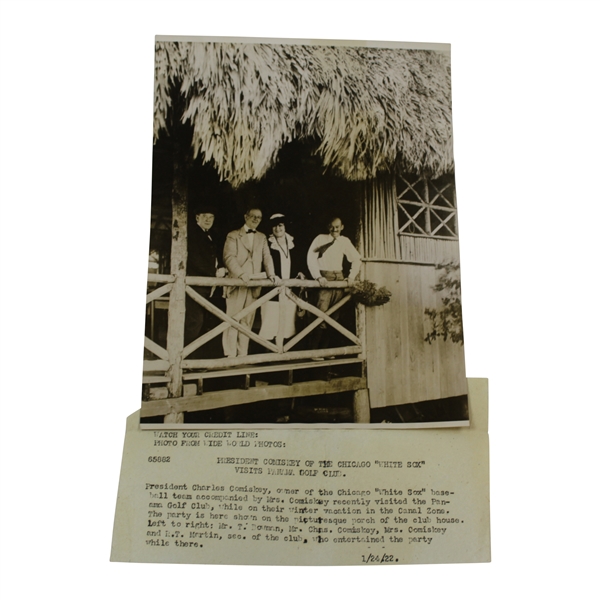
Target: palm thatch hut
x,y
373,127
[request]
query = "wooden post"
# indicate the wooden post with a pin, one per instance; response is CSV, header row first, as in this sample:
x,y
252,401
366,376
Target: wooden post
x,y
393,200
174,417
361,328
362,407
176,321
281,325
426,201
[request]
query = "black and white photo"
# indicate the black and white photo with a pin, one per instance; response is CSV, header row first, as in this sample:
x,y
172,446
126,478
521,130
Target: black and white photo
x,y
303,264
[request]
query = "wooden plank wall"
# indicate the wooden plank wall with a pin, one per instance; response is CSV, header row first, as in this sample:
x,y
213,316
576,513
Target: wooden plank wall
x,y
401,366
431,251
379,216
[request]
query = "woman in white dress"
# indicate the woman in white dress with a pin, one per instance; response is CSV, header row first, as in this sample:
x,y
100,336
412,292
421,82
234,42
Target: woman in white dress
x,y
281,245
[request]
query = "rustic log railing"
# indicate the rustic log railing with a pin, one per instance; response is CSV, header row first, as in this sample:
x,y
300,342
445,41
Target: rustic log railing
x,y
173,366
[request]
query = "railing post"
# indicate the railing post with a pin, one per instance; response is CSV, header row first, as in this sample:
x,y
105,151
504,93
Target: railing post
x,y
175,335
362,408
282,299
362,405
174,417
176,320
361,328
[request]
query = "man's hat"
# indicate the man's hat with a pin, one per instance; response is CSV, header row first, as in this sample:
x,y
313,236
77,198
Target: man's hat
x,y
205,209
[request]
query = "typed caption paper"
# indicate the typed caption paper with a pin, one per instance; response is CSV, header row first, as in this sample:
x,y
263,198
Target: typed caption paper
x,y
306,497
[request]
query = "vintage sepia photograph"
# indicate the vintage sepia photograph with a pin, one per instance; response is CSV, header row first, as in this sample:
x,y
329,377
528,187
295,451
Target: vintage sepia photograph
x,y
303,264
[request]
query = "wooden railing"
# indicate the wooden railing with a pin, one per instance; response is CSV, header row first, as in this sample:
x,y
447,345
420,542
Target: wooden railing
x,y
170,362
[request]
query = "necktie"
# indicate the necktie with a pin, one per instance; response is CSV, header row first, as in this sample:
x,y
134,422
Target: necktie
x,y
322,249
251,231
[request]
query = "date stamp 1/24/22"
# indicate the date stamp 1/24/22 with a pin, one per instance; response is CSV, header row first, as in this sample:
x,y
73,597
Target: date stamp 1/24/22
x,y
378,559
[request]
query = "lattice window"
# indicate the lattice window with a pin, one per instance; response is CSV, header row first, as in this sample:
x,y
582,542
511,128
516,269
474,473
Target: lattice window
x,y
427,207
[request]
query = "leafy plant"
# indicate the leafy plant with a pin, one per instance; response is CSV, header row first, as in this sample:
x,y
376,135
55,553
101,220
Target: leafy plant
x,y
447,322
367,293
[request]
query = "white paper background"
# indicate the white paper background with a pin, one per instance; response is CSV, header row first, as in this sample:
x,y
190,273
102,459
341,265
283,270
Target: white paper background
x,y
76,91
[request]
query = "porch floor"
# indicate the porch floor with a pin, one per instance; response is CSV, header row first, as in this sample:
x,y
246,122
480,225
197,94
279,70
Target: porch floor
x,y
236,397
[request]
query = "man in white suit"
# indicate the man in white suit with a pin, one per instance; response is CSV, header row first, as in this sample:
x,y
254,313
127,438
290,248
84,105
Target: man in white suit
x,y
246,254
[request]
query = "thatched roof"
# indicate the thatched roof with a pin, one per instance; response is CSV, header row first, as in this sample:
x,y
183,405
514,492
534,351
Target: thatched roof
x,y
371,110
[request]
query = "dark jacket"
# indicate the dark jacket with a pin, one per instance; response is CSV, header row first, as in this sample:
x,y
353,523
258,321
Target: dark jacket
x,y
296,265
203,255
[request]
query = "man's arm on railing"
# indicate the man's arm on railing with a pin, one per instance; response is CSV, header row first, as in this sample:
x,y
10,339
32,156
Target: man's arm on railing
x,y
312,258
267,260
353,258
230,252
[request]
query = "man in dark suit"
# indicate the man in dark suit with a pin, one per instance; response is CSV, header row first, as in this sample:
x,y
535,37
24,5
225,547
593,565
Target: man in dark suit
x,y
246,255
203,261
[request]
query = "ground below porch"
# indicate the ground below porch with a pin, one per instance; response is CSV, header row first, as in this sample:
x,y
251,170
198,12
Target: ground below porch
x,y
332,391
326,390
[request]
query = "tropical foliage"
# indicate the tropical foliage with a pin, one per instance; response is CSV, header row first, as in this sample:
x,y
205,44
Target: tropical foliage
x,y
447,322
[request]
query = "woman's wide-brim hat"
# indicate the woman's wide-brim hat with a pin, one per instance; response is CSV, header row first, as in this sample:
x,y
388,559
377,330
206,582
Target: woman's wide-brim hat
x,y
276,219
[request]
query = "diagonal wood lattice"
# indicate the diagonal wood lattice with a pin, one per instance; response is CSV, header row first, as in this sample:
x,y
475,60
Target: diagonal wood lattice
x,y
234,321
427,207
150,345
